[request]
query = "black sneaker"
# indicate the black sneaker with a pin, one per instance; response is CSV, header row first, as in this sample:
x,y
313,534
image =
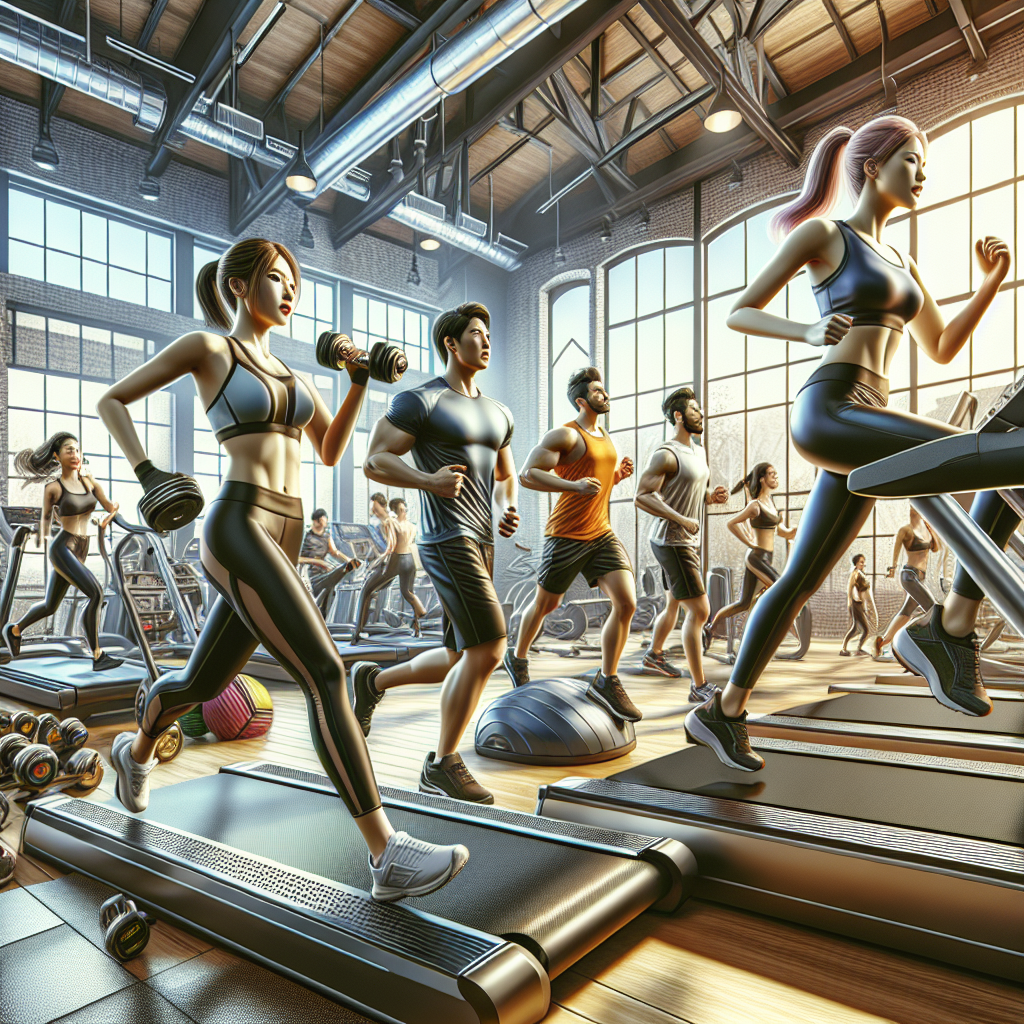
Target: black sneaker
x,y
657,663
706,636
608,692
367,696
727,737
518,669
702,694
951,665
450,777
104,663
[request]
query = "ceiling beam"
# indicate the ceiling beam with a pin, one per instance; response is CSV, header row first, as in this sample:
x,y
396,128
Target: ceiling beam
x,y
694,47
434,18
396,12
969,30
203,52
851,50
487,101
765,14
657,121
152,21
513,149
930,43
663,65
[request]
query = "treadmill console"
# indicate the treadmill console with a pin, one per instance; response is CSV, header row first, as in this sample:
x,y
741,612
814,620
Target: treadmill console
x,y
21,515
355,540
1008,412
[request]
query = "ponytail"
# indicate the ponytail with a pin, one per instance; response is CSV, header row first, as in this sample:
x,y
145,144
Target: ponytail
x,y
209,298
753,480
39,464
877,140
821,184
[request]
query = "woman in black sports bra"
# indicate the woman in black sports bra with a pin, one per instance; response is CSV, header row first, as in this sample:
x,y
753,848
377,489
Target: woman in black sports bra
x,y
68,550
763,520
909,538
252,533
867,293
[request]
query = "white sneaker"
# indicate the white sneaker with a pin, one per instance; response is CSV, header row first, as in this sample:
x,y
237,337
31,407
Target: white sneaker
x,y
132,787
411,867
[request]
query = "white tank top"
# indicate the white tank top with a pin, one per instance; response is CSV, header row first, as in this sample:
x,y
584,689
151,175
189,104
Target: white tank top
x,y
685,492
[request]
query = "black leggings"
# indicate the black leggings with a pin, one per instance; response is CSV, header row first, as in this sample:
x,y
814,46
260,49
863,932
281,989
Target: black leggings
x,y
758,572
860,621
839,422
67,556
323,585
402,566
918,594
251,541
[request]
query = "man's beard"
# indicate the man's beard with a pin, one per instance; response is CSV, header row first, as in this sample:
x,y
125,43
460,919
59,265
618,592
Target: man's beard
x,y
698,429
599,409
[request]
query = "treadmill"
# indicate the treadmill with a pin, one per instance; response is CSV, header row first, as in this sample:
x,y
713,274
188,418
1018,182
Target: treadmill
x,y
266,860
56,673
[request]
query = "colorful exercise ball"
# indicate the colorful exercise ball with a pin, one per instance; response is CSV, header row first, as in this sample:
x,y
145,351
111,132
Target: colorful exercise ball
x,y
192,724
242,711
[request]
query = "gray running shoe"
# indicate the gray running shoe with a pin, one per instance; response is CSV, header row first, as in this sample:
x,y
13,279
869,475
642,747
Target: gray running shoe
x,y
608,692
702,694
518,669
658,664
951,665
727,737
367,696
451,777
132,786
411,867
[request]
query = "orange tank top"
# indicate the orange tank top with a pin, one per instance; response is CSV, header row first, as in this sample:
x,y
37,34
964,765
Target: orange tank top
x,y
585,516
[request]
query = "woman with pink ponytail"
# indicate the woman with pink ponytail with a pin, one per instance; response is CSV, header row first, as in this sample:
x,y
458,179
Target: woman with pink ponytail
x,y
867,293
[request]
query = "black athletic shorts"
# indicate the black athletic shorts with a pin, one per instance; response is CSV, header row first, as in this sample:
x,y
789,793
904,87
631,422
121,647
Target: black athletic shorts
x,y
680,570
461,570
563,558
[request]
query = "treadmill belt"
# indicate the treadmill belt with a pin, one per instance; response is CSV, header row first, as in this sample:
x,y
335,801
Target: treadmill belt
x,y
1006,719
512,884
77,673
913,797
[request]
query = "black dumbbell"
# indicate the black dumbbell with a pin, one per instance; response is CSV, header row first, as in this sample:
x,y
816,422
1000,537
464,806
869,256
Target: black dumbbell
x,y
171,502
48,731
81,772
73,735
5,809
8,862
125,928
24,723
9,747
5,722
383,362
35,766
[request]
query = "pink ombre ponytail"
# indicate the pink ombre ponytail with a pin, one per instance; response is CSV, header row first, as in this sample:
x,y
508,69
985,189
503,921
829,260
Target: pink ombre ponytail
x,y
877,140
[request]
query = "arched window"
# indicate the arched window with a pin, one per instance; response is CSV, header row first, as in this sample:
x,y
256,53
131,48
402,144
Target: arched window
x,y
568,343
648,354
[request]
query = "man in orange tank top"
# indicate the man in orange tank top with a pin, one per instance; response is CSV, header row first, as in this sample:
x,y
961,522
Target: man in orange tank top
x,y
578,461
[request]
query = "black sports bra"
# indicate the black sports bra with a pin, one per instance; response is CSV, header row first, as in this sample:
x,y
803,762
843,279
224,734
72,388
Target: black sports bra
x,y
765,520
249,401
74,504
919,545
869,288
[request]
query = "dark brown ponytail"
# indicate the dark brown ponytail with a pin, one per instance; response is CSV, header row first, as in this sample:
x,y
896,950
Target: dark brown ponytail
x,y
40,464
209,299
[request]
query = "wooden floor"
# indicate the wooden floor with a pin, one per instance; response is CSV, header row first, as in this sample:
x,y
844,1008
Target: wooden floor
x,y
706,964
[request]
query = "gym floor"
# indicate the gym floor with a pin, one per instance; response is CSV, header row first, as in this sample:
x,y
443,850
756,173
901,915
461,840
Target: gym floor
x,y
706,964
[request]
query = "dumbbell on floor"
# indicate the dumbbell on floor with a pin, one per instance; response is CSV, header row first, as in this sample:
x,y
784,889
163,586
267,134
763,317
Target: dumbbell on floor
x,y
22,723
125,927
383,362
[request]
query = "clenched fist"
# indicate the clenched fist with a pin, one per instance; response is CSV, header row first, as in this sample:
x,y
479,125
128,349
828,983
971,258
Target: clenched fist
x,y
447,482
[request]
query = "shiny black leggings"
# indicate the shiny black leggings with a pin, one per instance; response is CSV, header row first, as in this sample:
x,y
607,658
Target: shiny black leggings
x,y
918,594
402,566
839,422
251,540
758,572
67,556
860,621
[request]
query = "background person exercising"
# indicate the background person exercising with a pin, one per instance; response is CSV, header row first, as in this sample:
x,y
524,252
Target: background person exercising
x,y
459,439
578,461
674,489
316,546
397,561
384,531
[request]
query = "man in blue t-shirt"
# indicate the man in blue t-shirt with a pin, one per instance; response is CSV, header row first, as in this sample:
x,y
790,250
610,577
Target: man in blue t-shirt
x,y
459,440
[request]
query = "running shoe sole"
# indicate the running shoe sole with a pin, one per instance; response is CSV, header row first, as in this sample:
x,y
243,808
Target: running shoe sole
x,y
389,894
430,787
600,701
913,660
697,732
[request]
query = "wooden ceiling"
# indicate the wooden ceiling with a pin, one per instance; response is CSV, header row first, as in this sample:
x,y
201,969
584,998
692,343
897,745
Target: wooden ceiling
x,y
550,134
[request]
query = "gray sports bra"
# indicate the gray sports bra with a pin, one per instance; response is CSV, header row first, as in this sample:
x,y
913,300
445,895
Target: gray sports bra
x,y
249,403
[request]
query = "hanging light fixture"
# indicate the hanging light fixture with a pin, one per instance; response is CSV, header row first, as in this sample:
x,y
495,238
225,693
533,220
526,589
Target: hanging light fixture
x,y
606,229
306,235
44,152
300,175
413,276
428,243
149,188
721,115
735,178
559,255
645,217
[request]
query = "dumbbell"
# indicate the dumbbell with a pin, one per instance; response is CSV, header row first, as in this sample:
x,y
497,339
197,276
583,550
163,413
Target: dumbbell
x,y
8,862
72,735
48,731
383,362
5,809
33,766
9,747
23,723
81,772
125,927
172,504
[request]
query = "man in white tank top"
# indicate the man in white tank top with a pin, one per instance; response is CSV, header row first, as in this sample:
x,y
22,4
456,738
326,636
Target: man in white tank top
x,y
674,489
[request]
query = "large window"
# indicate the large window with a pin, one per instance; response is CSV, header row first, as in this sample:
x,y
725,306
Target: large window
x,y
314,313
974,188
568,344
649,353
79,248
375,320
47,395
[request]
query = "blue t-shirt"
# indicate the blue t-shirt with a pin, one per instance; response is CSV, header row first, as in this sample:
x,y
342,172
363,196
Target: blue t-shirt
x,y
452,429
